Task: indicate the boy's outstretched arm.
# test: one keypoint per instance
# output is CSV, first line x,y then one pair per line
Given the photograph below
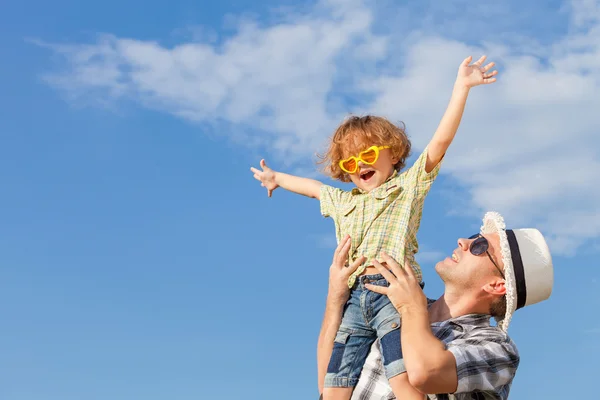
x,y
272,180
468,76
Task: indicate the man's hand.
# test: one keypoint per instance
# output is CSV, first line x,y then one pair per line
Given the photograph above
x,y
267,177
404,291
476,74
339,272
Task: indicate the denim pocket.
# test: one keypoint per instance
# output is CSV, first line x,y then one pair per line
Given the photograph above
x,y
391,347
339,346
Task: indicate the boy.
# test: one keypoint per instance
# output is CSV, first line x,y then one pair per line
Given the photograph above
x,y
381,214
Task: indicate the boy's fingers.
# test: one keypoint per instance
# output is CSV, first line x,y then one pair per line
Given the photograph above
x,y
488,67
481,60
467,61
263,164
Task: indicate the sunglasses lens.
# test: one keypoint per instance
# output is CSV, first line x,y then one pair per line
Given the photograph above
x,y
349,165
369,156
479,246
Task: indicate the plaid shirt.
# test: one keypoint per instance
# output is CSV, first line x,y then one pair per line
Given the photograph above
x,y
486,362
385,219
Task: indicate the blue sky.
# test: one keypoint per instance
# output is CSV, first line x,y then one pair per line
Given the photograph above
x,y
140,260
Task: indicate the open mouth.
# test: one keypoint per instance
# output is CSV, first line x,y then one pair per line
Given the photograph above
x,y
365,176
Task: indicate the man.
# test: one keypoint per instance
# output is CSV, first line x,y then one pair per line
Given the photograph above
x,y
450,349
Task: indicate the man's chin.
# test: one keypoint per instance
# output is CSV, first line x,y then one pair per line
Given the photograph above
x,y
442,268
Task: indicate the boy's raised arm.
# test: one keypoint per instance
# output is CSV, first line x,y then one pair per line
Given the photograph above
x,y
271,180
468,76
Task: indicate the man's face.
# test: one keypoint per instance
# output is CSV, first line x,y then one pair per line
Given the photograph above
x,y
466,270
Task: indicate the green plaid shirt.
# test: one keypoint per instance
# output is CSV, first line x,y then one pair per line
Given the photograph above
x,y
385,219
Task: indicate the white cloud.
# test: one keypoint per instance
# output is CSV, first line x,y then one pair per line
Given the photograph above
x,y
527,146
429,257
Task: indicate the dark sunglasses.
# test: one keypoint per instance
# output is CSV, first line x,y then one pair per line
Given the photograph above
x,y
481,245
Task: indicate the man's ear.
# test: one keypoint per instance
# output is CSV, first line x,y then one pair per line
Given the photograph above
x,y
497,287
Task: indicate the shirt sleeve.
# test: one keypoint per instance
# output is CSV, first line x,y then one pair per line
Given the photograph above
x,y
332,199
417,175
485,365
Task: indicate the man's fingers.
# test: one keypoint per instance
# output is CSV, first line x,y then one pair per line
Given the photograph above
x,y
269,192
354,266
257,177
255,170
377,289
467,61
383,271
393,264
410,273
263,164
341,251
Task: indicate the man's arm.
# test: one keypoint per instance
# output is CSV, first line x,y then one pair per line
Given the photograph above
x,y
271,180
468,77
337,295
331,323
430,367
467,365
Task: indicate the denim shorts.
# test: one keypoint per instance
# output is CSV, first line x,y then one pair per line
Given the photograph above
x,y
367,316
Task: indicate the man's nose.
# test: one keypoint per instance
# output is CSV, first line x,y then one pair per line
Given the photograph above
x,y
463,243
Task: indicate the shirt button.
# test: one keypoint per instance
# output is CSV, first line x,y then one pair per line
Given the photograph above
x,y
394,325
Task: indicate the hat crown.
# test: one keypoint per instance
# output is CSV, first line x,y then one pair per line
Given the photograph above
x,y
537,264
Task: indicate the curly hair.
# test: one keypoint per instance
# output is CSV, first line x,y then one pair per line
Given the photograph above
x,y
355,134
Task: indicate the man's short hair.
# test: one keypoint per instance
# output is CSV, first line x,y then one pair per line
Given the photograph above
x,y
498,308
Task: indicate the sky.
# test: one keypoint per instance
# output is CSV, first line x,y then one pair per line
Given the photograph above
x,y
140,259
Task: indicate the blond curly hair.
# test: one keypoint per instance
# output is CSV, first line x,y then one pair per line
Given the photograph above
x,y
356,134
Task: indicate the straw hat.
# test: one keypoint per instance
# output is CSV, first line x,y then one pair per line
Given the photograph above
x,y
527,265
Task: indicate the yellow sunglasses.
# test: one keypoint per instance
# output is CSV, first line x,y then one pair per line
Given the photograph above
x,y
369,156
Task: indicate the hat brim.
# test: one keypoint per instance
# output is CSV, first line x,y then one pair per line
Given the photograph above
x,y
494,223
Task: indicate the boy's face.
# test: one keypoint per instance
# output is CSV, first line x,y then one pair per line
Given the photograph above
x,y
368,177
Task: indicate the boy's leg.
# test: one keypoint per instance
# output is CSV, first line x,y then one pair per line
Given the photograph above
x,y
350,350
336,393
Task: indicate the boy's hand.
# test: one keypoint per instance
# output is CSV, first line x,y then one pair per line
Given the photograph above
x,y
266,177
476,74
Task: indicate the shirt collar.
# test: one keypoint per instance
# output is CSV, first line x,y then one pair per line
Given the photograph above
x,y
475,320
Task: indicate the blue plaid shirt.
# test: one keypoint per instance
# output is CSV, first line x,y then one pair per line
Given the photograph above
x,y
486,362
